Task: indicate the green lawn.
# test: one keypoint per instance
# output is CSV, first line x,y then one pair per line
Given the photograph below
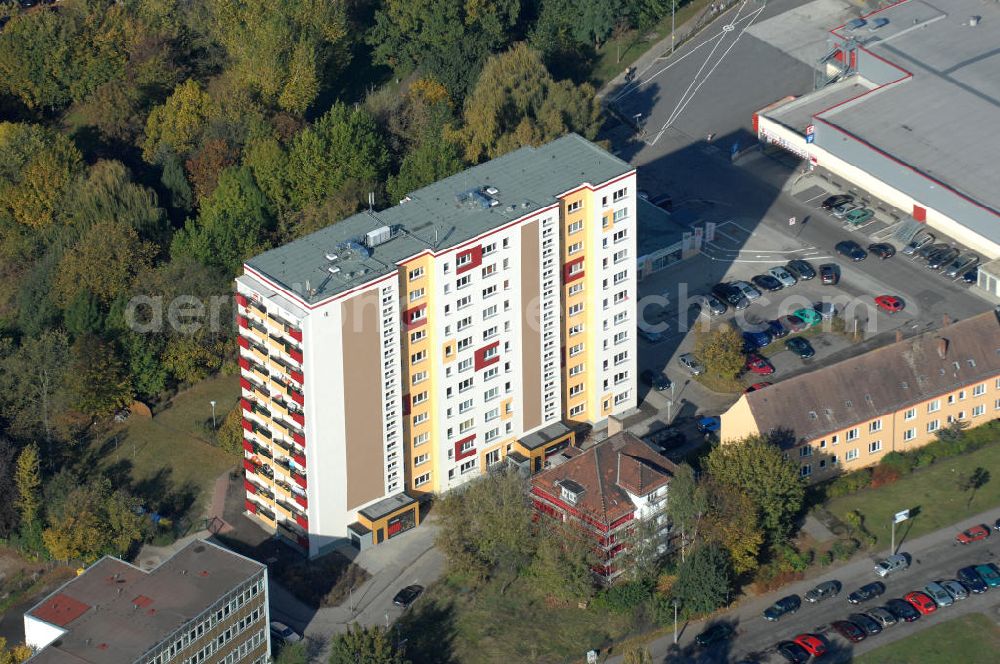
x,y
931,493
171,455
455,624
970,638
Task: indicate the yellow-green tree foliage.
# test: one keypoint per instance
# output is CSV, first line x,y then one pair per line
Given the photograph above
x,y
103,262
37,167
29,483
178,123
721,349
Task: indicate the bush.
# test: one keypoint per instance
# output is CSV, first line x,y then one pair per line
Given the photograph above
x,y
884,476
826,559
898,461
787,559
624,597
850,483
844,548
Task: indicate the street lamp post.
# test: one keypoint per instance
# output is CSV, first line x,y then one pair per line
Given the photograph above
x,y
675,621
673,10
213,414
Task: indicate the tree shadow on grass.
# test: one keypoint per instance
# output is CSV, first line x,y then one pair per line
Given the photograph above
x,y
427,633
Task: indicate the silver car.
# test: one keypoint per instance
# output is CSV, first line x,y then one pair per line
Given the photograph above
x,y
692,364
961,265
894,563
955,589
919,241
883,616
784,276
841,210
940,596
749,292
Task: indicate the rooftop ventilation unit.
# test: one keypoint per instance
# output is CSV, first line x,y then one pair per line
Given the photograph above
x,y
331,256
492,191
352,250
479,196
333,270
378,236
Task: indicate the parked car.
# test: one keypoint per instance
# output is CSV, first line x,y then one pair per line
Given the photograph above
x,y
407,595
972,276
902,610
840,211
757,386
883,616
812,644
973,534
919,241
889,303
921,601
829,274
731,295
989,574
793,323
657,380
855,24
939,260
766,282
778,329
714,634
823,591
784,606
711,305
957,591
930,249
691,363
867,592
833,201
792,652
852,250
878,23
755,340
848,630
709,424
870,626
859,216
894,563
758,365
826,310
809,316
801,269
970,578
282,633
800,347
748,291
882,249
937,593
783,275
961,264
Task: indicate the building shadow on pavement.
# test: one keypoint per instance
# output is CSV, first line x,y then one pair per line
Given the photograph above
x,y
426,633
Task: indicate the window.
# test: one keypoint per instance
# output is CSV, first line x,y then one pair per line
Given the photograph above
x,y
418,357
951,398
462,282
464,343
575,227
575,268
574,248
910,414
575,350
467,425
575,288
465,406
422,479
419,377
490,311
909,434
996,404
492,414
576,369
574,206
490,291
875,425
620,277
464,323
465,364
421,439
805,451
463,259
467,446
419,418
934,406
492,372
416,273
620,377
416,294
852,434
806,470
618,216
421,459
979,390
417,336
620,297
576,389
465,385
961,395
419,398
621,255
933,426
621,398
489,270
575,329
620,194
978,410
622,357
851,455
489,248
875,447
576,410
575,309
491,394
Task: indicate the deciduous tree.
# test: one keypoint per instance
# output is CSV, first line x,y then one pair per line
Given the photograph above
x,y
562,562
432,159
732,523
365,645
29,484
9,490
703,580
516,102
37,168
32,389
92,520
108,193
97,380
104,262
687,504
757,468
721,349
179,122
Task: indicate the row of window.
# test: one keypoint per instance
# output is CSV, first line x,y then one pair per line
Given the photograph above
x,y
231,633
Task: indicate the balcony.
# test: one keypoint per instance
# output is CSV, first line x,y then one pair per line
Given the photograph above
x,y
299,478
300,500
284,446
266,514
291,531
277,345
284,510
283,489
258,353
280,411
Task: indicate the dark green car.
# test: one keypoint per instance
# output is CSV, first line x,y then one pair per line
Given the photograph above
x,y
800,347
714,634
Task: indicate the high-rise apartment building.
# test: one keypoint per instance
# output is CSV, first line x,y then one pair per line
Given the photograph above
x,y
400,353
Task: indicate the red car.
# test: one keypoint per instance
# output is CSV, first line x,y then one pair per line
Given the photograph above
x,y
757,386
812,643
758,365
889,303
921,602
974,534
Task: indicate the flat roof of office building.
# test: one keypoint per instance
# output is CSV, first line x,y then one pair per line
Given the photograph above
x,y
437,217
941,121
115,612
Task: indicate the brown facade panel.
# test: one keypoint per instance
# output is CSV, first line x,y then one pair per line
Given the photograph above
x,y
363,399
531,332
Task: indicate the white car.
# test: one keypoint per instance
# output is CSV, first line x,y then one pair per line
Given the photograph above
x,y
749,292
691,363
784,276
283,634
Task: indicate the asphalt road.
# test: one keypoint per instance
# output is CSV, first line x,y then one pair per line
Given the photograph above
x,y
935,556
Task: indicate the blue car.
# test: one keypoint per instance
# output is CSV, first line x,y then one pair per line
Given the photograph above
x,y
971,579
709,424
755,340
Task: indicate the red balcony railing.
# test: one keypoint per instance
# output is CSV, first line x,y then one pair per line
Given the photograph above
x,y
251,506
247,445
298,418
295,354
300,459
299,438
301,500
302,521
299,479
249,486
